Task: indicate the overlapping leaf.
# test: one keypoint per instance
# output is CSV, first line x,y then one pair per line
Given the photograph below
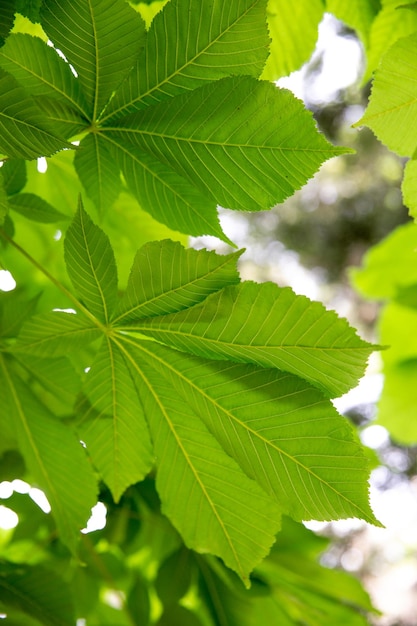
x,y
281,431
220,40
213,504
55,334
154,289
24,132
95,166
53,455
38,592
271,327
392,111
240,444
113,425
101,38
294,30
42,71
91,265
221,138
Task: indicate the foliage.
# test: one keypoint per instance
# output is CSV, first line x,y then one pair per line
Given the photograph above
x,y
195,406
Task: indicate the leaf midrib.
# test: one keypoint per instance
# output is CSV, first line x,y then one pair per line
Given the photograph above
x,y
224,144
181,447
169,78
233,418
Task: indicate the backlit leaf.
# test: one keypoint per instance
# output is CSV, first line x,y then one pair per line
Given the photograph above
x,y
208,498
165,194
24,133
243,142
271,327
91,265
42,71
55,334
281,431
53,455
35,208
294,31
221,40
98,173
166,278
392,112
108,38
113,425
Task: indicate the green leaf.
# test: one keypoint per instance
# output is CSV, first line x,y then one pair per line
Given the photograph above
x,y
53,455
24,133
226,513
281,431
392,111
271,327
14,175
294,31
166,195
37,591
98,173
7,10
113,425
91,265
109,36
55,334
15,308
29,8
166,278
400,245
397,406
221,40
220,135
35,208
57,376
390,24
42,71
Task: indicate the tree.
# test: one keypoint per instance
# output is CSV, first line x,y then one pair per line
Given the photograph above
x,y
142,373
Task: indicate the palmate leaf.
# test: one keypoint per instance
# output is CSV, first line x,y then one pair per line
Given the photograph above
x,y
271,327
24,133
113,425
101,38
166,278
281,431
221,40
163,193
91,265
213,504
243,142
53,455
